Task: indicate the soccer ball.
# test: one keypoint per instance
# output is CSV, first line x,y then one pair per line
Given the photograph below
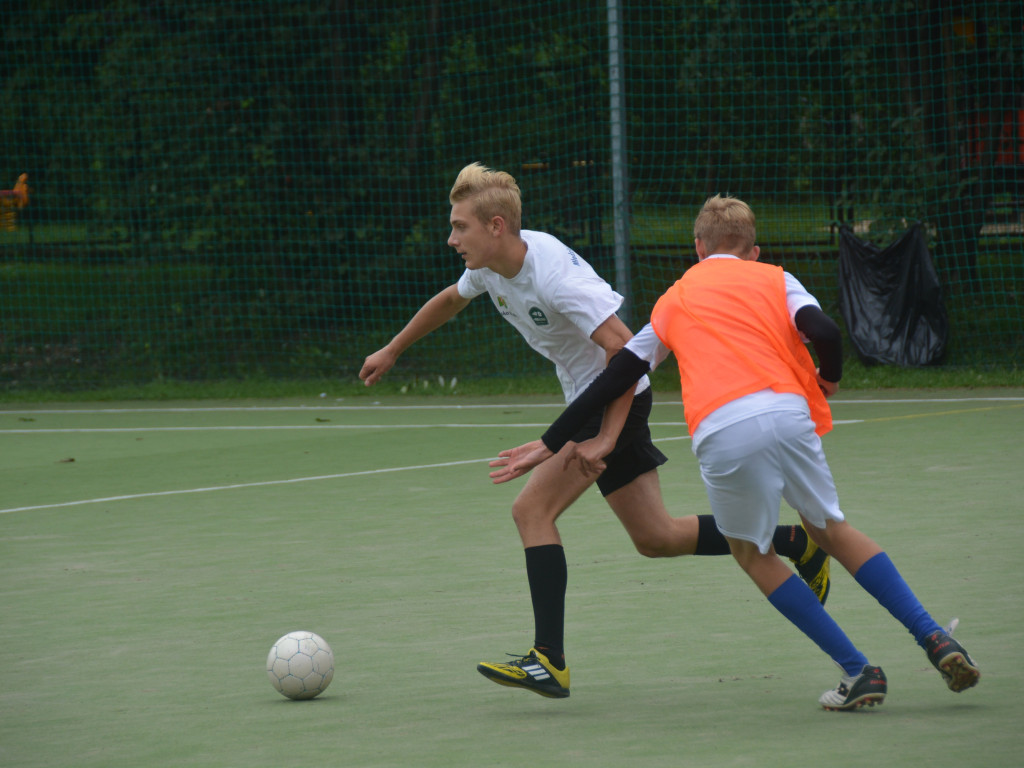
x,y
300,665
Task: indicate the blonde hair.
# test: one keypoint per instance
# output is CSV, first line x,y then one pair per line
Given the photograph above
x,y
726,225
494,193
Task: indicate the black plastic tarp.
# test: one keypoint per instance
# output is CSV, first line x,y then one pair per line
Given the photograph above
x,y
891,300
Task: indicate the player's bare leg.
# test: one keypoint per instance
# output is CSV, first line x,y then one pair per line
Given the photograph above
x,y
873,570
846,544
862,684
768,572
655,533
549,491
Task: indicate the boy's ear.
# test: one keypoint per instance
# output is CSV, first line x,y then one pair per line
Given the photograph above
x,y
702,251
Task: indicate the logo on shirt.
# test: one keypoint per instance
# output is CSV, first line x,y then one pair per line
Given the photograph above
x,y
538,317
502,304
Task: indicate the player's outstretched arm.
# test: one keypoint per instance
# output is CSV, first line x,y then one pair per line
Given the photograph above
x,y
516,462
621,375
376,365
612,335
589,455
437,311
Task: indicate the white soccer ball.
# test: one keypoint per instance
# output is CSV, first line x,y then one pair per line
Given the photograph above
x,y
300,665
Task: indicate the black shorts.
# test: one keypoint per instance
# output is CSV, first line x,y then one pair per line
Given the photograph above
x,y
634,453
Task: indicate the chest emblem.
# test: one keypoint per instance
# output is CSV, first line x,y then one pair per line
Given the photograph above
x,y
538,317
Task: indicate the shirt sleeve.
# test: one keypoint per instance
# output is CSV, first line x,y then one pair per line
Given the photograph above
x,y
647,346
469,286
798,297
587,301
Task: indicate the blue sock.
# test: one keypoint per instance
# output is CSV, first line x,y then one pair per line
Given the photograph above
x,y
795,600
883,582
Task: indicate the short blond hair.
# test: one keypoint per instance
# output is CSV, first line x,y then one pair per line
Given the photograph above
x,y
494,193
726,225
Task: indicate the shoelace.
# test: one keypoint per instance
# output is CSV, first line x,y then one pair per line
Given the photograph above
x,y
520,658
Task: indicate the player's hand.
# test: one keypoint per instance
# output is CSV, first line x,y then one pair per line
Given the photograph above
x,y
516,462
376,365
589,454
828,388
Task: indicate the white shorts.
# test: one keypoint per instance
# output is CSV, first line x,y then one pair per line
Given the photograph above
x,y
749,466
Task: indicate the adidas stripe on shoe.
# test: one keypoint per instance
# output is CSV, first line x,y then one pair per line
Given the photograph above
x,y
534,672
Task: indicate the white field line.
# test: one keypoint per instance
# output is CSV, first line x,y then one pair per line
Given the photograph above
x,y
115,430
294,480
73,430
235,486
444,406
264,483
227,409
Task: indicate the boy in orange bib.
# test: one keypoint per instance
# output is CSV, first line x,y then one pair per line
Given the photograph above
x,y
755,407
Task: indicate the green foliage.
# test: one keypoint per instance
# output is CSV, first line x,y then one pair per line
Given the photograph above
x,y
254,189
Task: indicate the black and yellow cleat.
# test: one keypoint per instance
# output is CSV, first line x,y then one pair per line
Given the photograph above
x,y
534,672
813,567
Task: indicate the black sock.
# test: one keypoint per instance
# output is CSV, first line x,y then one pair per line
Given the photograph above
x,y
548,575
710,540
790,541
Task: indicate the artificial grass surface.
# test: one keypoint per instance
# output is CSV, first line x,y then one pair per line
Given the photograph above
x,y
135,629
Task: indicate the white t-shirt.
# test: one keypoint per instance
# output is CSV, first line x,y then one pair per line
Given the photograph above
x,y
556,302
647,346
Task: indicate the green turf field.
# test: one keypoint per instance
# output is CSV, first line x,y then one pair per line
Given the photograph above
x,y
150,555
